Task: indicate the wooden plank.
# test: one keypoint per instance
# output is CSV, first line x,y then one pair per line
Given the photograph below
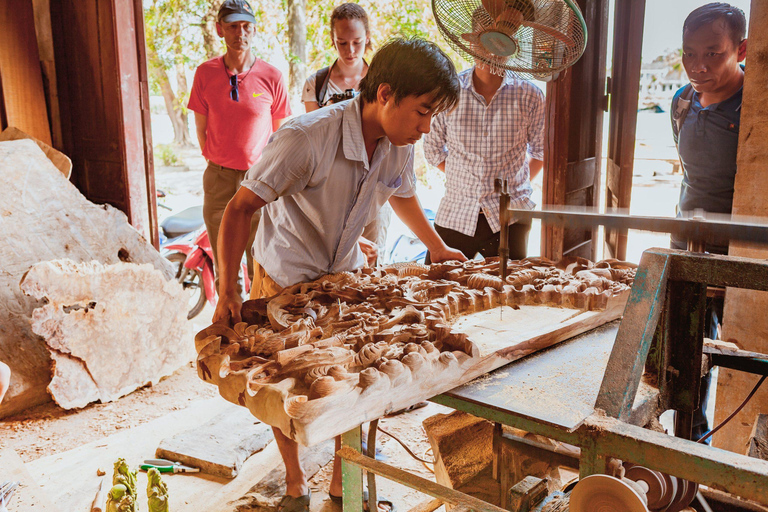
x,y
447,495
21,80
220,446
271,403
745,322
625,86
627,362
29,495
758,440
574,126
45,46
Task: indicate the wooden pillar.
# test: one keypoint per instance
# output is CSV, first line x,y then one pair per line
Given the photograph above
x,y
574,133
746,322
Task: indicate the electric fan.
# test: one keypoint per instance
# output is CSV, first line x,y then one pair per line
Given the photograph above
x,y
530,38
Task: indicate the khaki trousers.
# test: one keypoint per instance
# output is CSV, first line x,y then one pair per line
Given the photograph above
x,y
262,285
219,186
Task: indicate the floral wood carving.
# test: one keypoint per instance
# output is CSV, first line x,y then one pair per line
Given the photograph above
x,y
369,340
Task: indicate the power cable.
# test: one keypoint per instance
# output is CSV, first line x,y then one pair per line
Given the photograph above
x,y
734,413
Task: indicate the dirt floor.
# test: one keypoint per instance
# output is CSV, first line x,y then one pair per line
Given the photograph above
x,y
49,429
48,433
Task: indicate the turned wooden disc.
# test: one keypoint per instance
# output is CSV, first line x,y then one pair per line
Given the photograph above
x,y
603,493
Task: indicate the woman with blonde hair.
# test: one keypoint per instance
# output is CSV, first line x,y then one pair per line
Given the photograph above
x,y
340,81
351,39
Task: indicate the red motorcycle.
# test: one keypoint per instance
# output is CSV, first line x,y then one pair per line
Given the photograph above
x,y
184,242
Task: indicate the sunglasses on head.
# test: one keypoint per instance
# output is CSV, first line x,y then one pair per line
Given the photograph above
x,y
233,93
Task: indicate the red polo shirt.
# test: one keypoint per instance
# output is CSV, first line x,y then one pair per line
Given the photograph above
x,y
237,131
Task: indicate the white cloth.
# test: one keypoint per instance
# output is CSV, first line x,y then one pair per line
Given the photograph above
x,y
480,142
321,190
308,94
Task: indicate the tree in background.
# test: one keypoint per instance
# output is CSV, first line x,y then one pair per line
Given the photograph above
x,y
181,35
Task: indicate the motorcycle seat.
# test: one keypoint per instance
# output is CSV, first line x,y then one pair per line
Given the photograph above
x,y
181,223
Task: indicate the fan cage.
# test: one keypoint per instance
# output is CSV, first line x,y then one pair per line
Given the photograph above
x,y
531,39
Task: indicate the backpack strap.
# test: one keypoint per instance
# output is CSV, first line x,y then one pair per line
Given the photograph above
x,y
682,107
321,84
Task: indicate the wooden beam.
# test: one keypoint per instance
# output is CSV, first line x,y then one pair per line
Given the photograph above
x,y
21,80
745,322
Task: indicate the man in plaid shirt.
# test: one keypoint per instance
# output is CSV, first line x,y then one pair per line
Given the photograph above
x,y
497,131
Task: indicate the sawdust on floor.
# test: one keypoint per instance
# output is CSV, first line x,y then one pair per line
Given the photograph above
x,y
48,429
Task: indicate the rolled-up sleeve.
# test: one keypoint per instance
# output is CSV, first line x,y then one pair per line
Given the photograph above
x,y
408,176
536,125
285,167
435,148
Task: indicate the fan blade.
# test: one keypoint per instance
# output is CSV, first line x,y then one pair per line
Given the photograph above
x,y
471,37
565,38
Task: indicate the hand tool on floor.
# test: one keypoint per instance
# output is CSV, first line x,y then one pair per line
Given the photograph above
x,y
99,501
7,491
167,466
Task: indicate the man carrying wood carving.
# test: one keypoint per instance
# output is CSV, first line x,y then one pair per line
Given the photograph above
x,y
705,124
323,177
239,101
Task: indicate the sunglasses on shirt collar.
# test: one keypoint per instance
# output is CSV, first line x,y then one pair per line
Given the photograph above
x,y
233,93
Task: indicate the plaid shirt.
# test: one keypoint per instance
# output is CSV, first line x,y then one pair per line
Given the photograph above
x,y
479,143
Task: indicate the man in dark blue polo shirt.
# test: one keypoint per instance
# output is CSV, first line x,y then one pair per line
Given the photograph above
x,y
705,123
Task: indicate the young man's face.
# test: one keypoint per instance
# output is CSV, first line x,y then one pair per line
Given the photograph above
x,y
711,58
405,122
237,35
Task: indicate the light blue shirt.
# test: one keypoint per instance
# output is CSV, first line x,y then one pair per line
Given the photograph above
x,y
322,191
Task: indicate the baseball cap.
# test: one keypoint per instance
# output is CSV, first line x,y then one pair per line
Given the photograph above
x,y
236,10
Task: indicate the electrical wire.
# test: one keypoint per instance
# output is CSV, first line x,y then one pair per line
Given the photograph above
x,y
734,413
410,452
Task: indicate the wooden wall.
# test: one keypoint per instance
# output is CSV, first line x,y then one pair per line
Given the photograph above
x,y
745,318
22,97
73,75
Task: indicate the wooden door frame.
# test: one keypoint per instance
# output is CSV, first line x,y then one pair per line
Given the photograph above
x,y
624,88
574,131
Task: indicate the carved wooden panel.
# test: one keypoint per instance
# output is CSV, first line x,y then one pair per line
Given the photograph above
x,y
323,357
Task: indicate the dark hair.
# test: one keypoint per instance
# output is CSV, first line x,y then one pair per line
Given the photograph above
x,y
350,11
412,67
732,16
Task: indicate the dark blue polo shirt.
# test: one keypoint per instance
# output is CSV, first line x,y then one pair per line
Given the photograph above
x,y
707,145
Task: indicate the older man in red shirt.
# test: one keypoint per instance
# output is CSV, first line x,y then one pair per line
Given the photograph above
x,y
239,101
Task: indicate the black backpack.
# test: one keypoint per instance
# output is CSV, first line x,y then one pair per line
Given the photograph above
x,y
682,107
321,84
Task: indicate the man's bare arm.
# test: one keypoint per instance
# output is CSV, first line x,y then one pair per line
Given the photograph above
x,y
233,237
201,123
410,212
535,167
277,123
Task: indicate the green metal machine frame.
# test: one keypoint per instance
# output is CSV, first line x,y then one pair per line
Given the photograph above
x,y
664,318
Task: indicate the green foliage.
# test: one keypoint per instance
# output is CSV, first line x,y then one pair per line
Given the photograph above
x,y
387,19
177,30
167,155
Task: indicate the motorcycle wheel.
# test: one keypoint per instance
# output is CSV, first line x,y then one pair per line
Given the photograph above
x,y
192,281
